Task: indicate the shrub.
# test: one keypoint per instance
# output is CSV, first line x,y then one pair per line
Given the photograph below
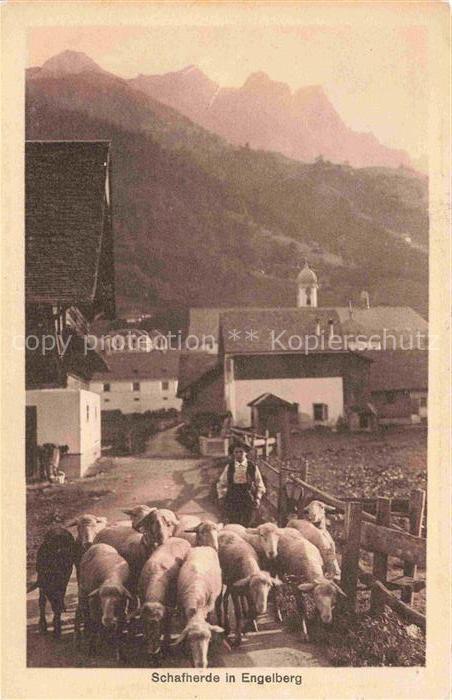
x,y
342,425
363,640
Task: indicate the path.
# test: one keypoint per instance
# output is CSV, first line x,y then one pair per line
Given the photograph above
x,y
165,444
184,485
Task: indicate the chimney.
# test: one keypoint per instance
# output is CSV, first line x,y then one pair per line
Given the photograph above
x,y
365,302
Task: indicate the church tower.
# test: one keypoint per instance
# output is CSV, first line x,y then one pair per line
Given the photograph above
x,y
307,287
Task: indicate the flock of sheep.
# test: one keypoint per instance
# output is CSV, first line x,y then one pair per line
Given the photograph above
x,y
137,576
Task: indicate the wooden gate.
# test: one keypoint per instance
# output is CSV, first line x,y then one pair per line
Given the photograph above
x,y
31,444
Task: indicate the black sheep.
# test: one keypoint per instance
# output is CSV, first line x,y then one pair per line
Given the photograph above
x,y
54,562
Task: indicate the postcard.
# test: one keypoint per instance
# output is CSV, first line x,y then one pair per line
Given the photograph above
x,y
226,316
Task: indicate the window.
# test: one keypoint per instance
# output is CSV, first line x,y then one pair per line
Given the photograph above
x,y
135,386
390,397
107,387
87,412
106,400
423,401
95,412
136,399
165,398
165,386
320,411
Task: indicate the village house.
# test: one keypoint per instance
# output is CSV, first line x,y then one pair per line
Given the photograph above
x,y
398,385
140,377
325,364
69,281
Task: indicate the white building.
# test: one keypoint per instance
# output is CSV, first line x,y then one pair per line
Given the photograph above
x,y
138,381
69,417
329,362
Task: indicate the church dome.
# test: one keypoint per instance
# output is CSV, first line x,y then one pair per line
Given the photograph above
x,y
307,276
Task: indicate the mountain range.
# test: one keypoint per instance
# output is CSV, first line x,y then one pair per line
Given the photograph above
x,y
208,219
266,114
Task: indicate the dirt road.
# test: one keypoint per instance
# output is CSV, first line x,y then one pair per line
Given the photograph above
x,y
184,485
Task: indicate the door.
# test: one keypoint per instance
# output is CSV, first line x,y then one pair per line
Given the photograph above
x,y
31,443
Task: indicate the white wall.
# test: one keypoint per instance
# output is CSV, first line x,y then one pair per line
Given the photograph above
x,y
305,392
151,396
90,428
58,416
62,419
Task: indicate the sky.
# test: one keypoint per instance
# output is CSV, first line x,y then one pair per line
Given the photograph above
x,y
377,79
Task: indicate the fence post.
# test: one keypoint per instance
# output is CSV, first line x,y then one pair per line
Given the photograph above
x,y
279,451
350,556
380,566
304,464
282,495
417,505
285,435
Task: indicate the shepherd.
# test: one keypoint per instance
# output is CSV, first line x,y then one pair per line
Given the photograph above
x,y
240,489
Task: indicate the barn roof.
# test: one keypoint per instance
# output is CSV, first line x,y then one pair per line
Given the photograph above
x,y
193,366
393,370
206,321
256,330
269,399
140,365
402,319
65,191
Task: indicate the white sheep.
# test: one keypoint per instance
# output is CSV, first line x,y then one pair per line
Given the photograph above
x,y
316,512
205,534
157,589
159,524
322,539
199,588
88,526
103,599
264,539
302,559
243,578
134,547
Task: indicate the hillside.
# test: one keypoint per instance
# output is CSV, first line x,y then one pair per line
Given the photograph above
x,y
201,222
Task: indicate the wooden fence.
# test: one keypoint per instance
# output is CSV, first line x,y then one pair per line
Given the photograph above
x,y
262,445
363,530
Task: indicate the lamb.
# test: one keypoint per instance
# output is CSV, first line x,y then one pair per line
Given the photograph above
x,y
157,589
54,562
199,588
87,527
243,577
104,601
302,559
322,539
205,534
